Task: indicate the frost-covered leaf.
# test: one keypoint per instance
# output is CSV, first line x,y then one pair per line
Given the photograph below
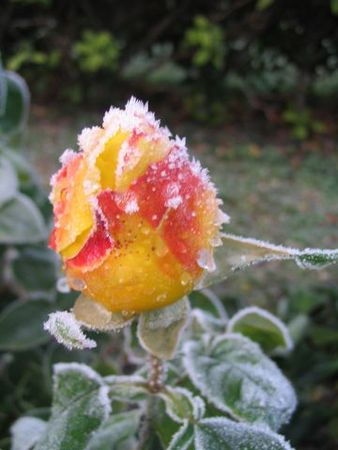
x,y
233,373
21,222
8,180
115,432
181,404
67,330
159,330
208,313
184,438
14,103
80,405
207,301
26,432
132,388
21,324
96,316
220,433
262,327
238,253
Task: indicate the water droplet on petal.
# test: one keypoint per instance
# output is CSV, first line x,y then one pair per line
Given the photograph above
x,y
145,230
206,260
76,284
185,278
161,249
161,298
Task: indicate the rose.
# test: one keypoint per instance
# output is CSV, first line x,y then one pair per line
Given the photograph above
x,y
135,219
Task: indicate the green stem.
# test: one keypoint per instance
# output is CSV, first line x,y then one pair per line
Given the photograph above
x,y
146,432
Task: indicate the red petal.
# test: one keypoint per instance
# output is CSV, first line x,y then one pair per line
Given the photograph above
x,y
95,250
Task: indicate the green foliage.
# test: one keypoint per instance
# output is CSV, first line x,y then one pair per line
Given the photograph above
x,y
216,433
237,378
80,405
334,6
159,330
20,324
207,41
261,5
27,56
263,328
97,51
14,103
156,68
302,123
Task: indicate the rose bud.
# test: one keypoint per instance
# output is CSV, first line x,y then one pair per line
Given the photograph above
x,y
135,220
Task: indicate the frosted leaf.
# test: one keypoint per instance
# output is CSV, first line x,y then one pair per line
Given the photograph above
x,y
207,301
262,327
115,432
26,432
8,181
182,405
208,313
80,405
202,322
220,433
67,331
159,330
183,439
238,253
95,316
233,373
133,388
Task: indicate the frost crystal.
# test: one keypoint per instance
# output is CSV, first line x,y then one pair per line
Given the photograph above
x,y
87,371
67,331
131,206
67,156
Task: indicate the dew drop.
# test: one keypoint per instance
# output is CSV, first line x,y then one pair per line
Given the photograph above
x,y
205,260
62,285
161,297
185,278
76,284
145,230
161,249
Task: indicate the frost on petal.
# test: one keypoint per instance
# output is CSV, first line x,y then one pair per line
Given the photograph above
x,y
89,137
67,156
67,331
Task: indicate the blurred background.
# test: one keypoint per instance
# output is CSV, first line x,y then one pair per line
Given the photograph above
x,y
253,84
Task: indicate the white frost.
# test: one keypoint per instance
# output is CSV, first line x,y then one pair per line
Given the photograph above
x,y
67,331
85,370
67,156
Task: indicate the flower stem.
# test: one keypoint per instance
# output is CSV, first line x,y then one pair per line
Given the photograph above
x,y
146,432
155,374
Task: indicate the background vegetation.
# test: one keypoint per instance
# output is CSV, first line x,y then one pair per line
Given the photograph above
x,y
254,86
